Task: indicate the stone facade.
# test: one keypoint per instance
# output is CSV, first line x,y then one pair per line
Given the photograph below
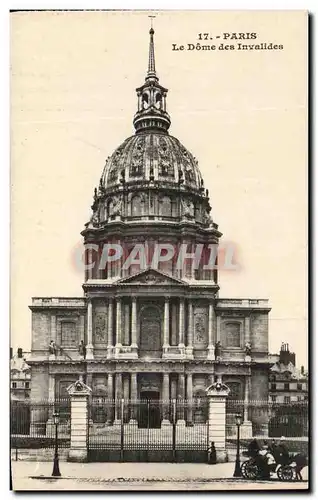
x,y
150,331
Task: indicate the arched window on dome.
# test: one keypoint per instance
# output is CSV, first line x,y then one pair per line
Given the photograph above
x,y
137,206
165,206
158,100
145,100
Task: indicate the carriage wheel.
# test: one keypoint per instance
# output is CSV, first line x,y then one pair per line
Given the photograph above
x,y
252,470
243,468
286,473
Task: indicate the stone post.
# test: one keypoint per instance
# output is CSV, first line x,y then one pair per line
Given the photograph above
x,y
110,397
217,394
79,394
89,346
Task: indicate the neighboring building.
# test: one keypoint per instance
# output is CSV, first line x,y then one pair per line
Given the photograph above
x,y
151,333
20,376
287,384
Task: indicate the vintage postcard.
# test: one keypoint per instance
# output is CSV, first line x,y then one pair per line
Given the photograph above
x,y
159,335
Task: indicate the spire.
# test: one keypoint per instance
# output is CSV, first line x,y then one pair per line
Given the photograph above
x,y
151,62
151,113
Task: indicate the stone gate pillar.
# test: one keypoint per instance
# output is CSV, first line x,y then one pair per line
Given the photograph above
x,y
217,394
79,393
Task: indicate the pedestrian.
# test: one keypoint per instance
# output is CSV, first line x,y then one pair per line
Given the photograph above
x,y
212,457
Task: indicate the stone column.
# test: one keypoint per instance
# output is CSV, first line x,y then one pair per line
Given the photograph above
x,y
79,394
217,394
190,399
134,322
110,397
118,396
165,397
166,324
118,322
181,323
189,349
246,398
247,328
53,327
181,399
51,387
127,324
49,423
110,327
89,346
211,352
133,397
218,328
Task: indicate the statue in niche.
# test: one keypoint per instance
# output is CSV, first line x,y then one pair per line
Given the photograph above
x,y
217,350
187,208
248,349
115,206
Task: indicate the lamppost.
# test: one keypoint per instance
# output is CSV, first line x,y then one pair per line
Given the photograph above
x,y
237,470
56,469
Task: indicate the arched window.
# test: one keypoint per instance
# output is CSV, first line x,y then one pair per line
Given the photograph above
x,y
165,206
136,206
233,335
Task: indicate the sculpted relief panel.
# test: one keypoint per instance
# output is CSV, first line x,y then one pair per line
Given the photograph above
x,y
100,323
200,338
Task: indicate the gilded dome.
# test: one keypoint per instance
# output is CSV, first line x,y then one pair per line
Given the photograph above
x,y
152,156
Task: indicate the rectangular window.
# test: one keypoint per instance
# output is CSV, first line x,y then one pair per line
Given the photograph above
x,y
27,385
299,387
286,387
274,398
68,333
14,385
287,399
273,387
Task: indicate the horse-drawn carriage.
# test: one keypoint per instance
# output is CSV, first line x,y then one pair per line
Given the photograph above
x,y
263,465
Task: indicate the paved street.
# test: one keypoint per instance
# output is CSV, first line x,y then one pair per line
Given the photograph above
x,y
137,476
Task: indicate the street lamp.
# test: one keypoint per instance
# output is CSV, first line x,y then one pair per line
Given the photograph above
x,y
56,469
237,470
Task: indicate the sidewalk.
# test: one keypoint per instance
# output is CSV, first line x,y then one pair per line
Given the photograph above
x,y
114,471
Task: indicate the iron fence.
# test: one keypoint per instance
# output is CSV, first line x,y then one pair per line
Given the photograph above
x,y
147,430
32,426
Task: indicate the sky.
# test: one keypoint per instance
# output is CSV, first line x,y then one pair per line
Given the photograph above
x,y
242,114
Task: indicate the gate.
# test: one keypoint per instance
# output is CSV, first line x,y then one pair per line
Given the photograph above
x,y
145,431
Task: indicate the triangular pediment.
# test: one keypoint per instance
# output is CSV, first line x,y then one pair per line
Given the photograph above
x,y
151,277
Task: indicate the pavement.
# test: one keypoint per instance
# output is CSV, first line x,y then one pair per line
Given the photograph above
x,y
138,476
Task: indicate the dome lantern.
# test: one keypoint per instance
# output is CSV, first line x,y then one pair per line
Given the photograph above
x,y
151,113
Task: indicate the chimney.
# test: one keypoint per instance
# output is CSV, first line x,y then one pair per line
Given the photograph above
x,y
11,353
20,352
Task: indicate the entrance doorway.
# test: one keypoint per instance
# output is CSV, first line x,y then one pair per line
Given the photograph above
x,y
149,410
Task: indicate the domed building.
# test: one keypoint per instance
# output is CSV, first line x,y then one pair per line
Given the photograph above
x,y
151,325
